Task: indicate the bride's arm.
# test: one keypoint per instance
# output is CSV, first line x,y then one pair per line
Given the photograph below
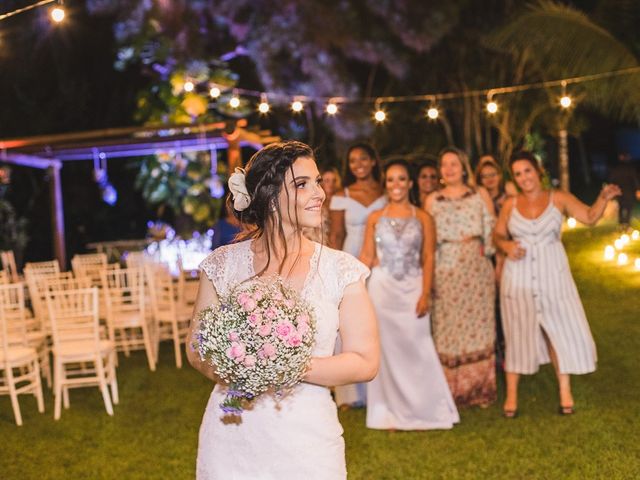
x,y
360,355
207,297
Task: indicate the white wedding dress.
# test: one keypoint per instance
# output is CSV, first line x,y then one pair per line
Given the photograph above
x,y
410,391
301,438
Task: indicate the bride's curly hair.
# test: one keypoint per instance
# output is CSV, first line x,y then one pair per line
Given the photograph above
x,y
265,175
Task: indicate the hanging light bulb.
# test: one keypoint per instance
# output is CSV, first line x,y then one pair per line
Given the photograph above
x,y
565,100
379,114
433,113
57,13
492,107
263,107
297,106
214,92
234,102
331,108
189,86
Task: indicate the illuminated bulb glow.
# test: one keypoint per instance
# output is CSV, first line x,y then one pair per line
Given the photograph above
x,y
297,106
433,113
635,235
623,259
188,86
332,108
234,102
57,14
264,107
618,244
625,239
565,101
380,116
609,252
214,92
492,107
571,222
636,264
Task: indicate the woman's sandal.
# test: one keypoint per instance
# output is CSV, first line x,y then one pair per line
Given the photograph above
x,y
566,410
510,413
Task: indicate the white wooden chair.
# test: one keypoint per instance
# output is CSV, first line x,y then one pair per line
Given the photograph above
x,y
8,261
172,316
4,277
89,265
19,367
128,323
76,340
41,268
37,284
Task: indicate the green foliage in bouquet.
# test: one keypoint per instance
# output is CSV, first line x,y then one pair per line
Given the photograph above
x,y
13,229
185,184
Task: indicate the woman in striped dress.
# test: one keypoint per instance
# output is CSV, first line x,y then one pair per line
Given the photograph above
x,y
542,314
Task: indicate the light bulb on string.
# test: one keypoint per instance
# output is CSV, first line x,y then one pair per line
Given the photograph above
x,y
263,107
214,92
57,14
188,86
297,106
565,100
492,107
432,112
234,102
331,108
609,252
379,114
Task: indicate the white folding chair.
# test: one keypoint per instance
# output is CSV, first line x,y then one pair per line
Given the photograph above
x,y
42,268
89,265
4,277
19,368
8,260
170,314
129,326
76,340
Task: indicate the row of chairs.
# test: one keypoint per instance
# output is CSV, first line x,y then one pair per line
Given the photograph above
x,y
139,305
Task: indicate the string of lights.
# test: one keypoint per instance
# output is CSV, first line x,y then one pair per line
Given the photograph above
x,y
57,13
332,104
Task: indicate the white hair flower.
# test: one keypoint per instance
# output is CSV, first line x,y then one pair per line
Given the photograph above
x,y
238,187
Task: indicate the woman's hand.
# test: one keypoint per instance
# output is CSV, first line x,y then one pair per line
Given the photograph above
x,y
422,308
514,250
610,191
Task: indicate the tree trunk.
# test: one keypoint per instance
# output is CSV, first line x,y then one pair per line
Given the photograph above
x,y
563,159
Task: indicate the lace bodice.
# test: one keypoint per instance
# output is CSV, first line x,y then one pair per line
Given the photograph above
x,y
330,272
398,246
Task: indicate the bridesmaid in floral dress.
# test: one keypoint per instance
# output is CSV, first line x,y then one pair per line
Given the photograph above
x,y
463,310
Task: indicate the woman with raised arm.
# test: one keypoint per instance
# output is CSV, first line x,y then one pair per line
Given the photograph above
x,y
410,391
542,314
298,436
349,209
464,303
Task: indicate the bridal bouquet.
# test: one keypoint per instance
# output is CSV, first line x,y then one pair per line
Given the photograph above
x,y
259,338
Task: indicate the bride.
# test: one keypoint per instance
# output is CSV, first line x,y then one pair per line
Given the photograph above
x,y
299,436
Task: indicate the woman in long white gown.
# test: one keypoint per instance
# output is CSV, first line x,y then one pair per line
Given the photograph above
x,y
410,391
299,437
348,212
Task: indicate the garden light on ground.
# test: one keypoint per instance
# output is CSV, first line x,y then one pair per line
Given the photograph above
x,y
571,222
625,239
609,252
635,235
623,259
619,244
636,264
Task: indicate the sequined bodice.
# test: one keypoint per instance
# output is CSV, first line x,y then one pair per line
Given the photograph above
x,y
398,246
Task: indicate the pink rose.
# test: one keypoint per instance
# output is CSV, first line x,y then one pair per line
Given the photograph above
x,y
249,361
267,351
303,328
242,298
254,318
265,329
236,351
249,304
294,340
284,329
233,336
258,295
271,313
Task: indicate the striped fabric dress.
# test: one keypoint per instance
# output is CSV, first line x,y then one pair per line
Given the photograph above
x,y
538,293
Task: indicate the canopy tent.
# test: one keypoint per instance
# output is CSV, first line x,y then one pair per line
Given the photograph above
x,y
51,151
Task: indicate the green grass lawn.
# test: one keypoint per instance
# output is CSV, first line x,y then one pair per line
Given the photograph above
x,y
153,434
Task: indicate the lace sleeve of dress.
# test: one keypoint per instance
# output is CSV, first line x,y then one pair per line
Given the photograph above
x,y
350,270
338,203
214,267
